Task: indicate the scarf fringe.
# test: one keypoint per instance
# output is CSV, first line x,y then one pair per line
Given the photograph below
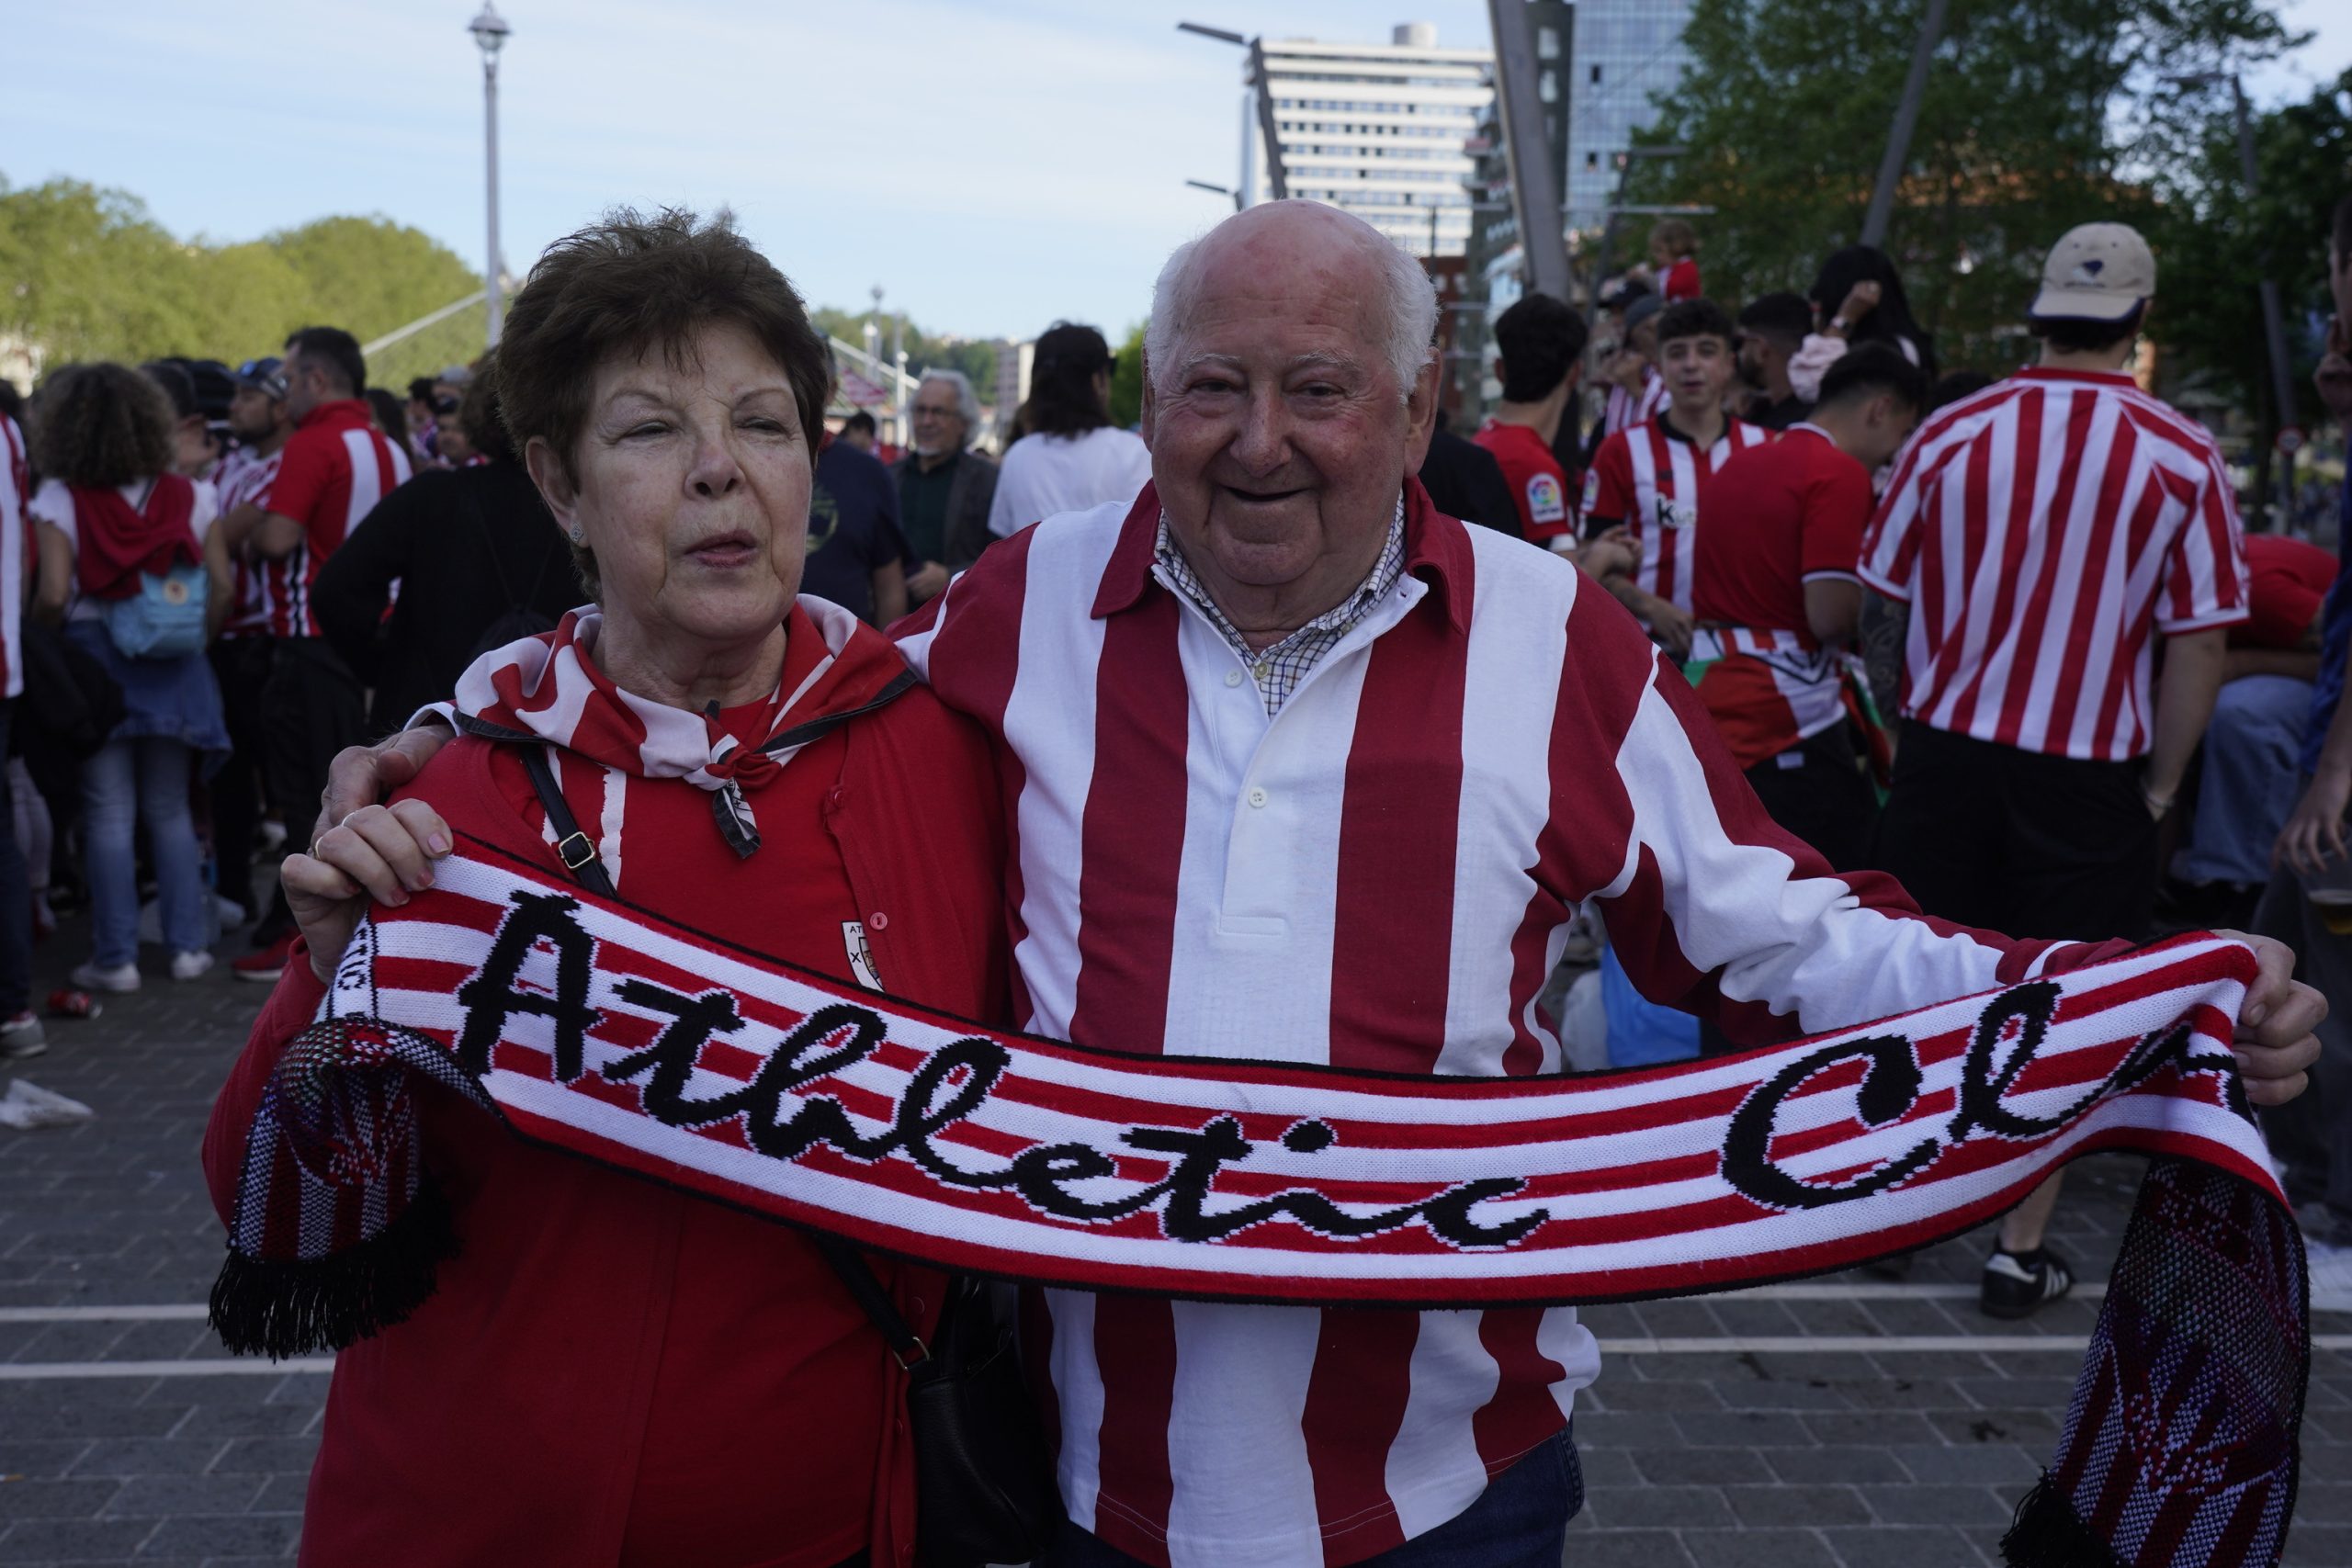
x,y
282,1308
2048,1533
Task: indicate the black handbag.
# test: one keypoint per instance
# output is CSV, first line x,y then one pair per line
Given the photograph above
x,y
984,1482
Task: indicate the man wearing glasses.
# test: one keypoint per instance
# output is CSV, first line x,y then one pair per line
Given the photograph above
x,y
945,487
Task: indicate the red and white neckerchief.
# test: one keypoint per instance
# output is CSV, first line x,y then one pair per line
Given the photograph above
x,y
549,689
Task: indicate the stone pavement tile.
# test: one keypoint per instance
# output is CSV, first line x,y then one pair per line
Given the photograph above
x,y
64,1419
283,1493
1898,1547
1672,1319
1700,1467
1955,1504
1920,1316
1658,1507
1611,1321
1984,1463
166,1342
72,1541
1754,1317
1812,1506
1902,1393
1936,1364
41,1458
1741,1429
1643,1393
232,1535
266,1455
2324,1502
24,1497
1728,1366
148,1456
69,1342
2325,1546
1835,1466
154,1496
1754,1548
1993,1394
2036,1431
1627,1429
247,1421
1594,1546
1872,1426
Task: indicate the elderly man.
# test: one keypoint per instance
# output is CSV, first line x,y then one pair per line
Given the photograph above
x,y
945,487
1301,769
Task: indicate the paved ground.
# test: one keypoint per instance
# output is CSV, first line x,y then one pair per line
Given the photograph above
x,y
1875,1439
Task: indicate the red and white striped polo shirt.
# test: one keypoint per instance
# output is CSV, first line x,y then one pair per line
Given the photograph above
x,y
1648,478
1624,410
2039,530
1379,876
331,473
246,476
15,553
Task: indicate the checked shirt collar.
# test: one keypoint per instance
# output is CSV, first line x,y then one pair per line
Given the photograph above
x,y
1279,669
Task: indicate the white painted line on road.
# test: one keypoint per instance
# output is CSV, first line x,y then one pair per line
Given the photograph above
x,y
1863,1344
37,1372
171,1311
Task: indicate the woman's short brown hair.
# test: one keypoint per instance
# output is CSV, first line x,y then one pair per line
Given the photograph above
x,y
100,425
481,417
633,283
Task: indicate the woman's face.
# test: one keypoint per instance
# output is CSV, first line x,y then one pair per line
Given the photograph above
x,y
692,488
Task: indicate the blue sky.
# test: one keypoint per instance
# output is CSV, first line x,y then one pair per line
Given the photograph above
x,y
992,164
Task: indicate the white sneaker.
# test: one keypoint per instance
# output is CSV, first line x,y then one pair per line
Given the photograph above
x,y
188,965
22,1036
99,978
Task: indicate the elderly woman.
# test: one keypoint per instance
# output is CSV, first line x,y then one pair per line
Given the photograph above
x,y
612,1373
118,526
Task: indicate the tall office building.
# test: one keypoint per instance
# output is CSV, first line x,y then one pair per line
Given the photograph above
x,y
1626,52
1377,130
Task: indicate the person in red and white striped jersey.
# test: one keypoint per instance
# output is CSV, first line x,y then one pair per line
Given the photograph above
x,y
1636,392
1298,768
335,468
260,422
1778,600
1646,478
21,1030
2045,534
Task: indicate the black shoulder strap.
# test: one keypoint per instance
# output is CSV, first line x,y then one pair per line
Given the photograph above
x,y
574,848
579,855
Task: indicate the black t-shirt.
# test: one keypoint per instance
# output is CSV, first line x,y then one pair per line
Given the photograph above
x,y
852,528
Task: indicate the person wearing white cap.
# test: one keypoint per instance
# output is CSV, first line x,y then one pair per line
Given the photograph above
x,y
2050,530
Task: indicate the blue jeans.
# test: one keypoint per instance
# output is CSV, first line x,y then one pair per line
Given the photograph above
x,y
1521,1520
127,783
2249,783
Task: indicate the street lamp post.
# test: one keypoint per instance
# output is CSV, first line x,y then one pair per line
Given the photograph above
x,y
490,30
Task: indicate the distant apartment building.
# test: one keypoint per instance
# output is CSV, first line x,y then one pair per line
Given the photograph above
x,y
1377,130
1626,52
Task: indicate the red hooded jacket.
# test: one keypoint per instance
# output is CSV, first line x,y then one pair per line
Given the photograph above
x,y
611,1372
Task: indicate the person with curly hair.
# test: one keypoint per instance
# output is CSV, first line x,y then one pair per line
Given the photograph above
x,y
112,514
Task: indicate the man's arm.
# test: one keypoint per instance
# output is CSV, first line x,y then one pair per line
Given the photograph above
x,y
1885,623
1833,609
269,534
2295,663
2185,695
2315,831
889,591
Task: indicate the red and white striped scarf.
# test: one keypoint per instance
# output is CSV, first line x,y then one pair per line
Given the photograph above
x,y
588,1025
547,688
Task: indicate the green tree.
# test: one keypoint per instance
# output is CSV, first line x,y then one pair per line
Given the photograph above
x,y
1126,380
2214,244
2037,115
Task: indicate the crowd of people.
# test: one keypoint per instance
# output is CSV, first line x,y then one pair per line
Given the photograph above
x,y
1226,736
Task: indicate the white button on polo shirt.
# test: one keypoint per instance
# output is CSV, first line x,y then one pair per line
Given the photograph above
x,y
1257,796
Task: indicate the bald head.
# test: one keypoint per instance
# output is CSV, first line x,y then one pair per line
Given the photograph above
x,y
1327,260
1290,394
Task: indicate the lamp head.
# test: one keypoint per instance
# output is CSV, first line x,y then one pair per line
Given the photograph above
x,y
490,30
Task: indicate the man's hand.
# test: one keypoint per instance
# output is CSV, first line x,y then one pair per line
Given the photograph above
x,y
2275,1042
2315,831
926,582
364,775
1670,624
1612,554
381,853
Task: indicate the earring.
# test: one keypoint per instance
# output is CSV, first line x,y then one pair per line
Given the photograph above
x,y
578,537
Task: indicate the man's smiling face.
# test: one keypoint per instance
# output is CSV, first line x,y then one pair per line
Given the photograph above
x,y
1280,434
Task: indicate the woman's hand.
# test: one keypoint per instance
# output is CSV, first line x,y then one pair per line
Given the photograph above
x,y
2276,1035
1860,302
384,852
